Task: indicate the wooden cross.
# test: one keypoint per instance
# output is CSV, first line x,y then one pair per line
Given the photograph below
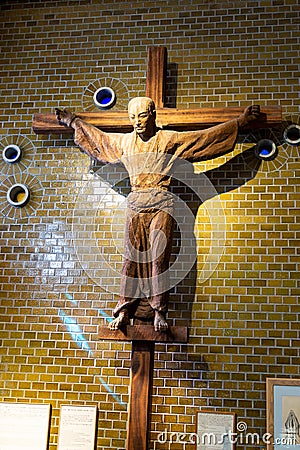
x,y
143,337
167,118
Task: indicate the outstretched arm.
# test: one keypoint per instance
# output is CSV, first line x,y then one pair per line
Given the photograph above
x,y
213,142
101,146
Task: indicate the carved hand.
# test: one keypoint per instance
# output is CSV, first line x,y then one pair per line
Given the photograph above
x,y
250,114
64,116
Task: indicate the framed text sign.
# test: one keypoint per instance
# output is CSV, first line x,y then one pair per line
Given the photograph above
x,y
214,430
24,426
77,427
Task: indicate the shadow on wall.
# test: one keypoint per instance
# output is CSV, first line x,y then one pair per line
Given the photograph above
x,y
228,177
190,191
192,365
171,85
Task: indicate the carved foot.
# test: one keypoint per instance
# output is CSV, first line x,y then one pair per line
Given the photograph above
x,y
160,323
120,321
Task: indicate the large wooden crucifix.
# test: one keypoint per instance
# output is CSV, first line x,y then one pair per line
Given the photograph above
x,y
143,337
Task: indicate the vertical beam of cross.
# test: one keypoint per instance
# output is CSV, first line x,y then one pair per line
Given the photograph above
x,y
140,403
143,338
156,75
142,359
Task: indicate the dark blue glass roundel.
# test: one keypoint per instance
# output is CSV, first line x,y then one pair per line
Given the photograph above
x,y
104,98
266,150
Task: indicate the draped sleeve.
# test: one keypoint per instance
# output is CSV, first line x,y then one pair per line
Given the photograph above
x,y
100,146
206,144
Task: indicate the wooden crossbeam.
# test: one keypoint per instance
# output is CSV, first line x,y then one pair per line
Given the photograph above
x,y
167,118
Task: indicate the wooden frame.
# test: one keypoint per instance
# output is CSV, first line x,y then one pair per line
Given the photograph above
x,y
214,430
283,413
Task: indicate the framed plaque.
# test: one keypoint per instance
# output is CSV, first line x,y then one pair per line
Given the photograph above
x,y
77,427
24,426
215,430
283,413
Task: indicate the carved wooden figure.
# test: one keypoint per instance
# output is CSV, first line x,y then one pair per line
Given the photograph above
x,y
149,218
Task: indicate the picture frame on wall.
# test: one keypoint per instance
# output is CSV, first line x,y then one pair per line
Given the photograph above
x,y
215,430
283,413
77,427
24,426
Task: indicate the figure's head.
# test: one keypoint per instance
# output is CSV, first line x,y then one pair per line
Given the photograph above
x,y
142,115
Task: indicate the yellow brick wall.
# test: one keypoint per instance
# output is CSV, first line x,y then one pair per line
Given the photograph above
x,y
243,319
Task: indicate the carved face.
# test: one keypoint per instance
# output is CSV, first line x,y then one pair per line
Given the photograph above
x,y
142,116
